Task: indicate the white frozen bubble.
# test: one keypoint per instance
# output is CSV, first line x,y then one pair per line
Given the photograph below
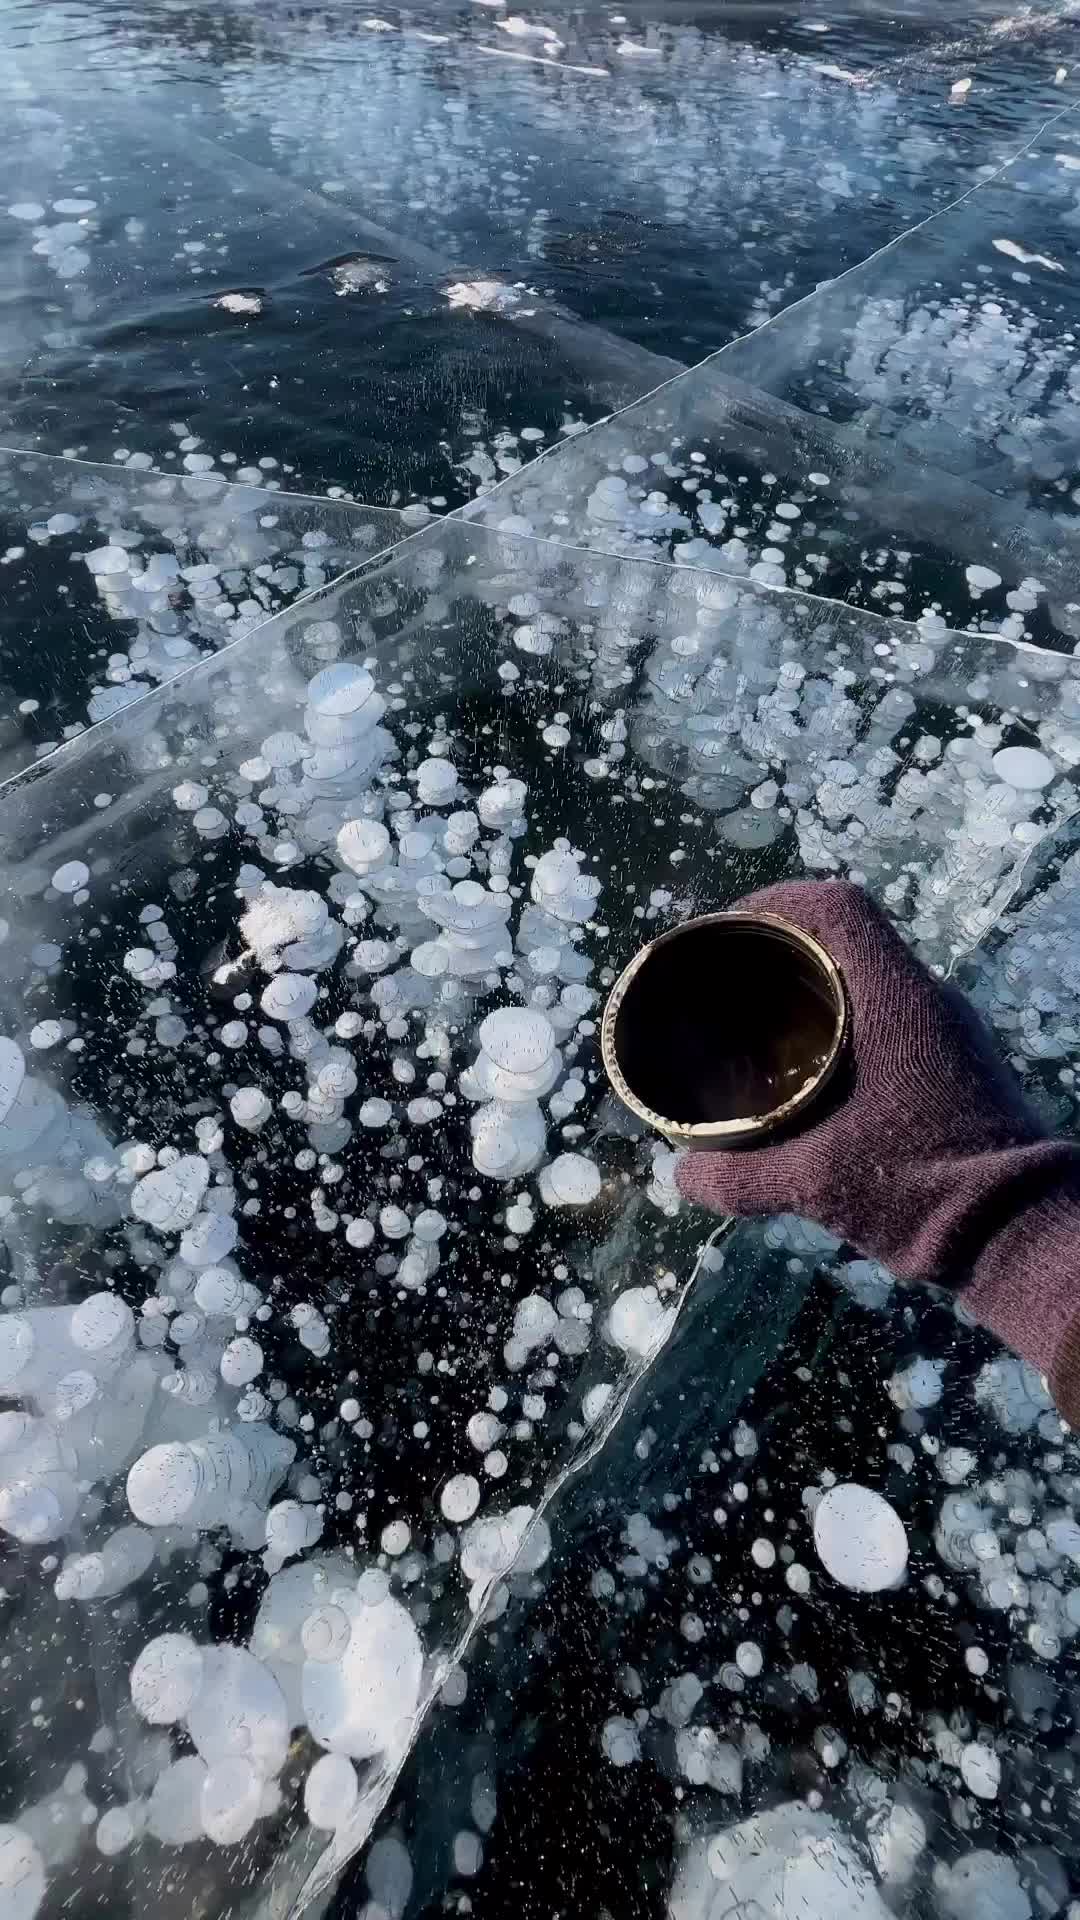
x,y
394,1222
362,1702
107,560
484,1429
980,1886
241,1362
638,1321
535,1322
788,1860
981,580
46,1034
501,805
493,1545
22,1875
429,1226
166,1677
340,690
460,1498
1014,1392
123,1557
750,829
239,1712
101,1325
331,1792
289,997
202,1482
371,956
291,1528
1024,767
170,1198
860,1538
232,1793
508,1138
620,1741
250,1108
71,877
189,797
291,924
27,210
115,1831
980,1770
217,1290
706,1761
240,303
897,1839
571,1180
956,1464
468,1853
325,1633
364,846
520,1040
436,782
594,1400
917,1385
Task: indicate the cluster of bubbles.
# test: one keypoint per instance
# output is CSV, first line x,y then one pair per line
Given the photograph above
x,y
388,897
935,379
178,566
711,1597
728,143
170,1406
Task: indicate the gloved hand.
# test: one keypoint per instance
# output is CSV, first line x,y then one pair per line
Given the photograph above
x,y
924,1153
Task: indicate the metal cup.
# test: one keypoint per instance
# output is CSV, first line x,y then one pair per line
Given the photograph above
x,y
725,1030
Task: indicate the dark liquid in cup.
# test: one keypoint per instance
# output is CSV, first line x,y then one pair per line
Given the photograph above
x,y
724,1022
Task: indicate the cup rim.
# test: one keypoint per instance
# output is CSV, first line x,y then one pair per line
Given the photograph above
x,y
724,1133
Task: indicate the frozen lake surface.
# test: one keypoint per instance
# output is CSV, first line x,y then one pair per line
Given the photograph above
x,y
477,486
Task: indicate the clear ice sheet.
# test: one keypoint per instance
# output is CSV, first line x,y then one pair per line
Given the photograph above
x,y
900,438
524,248
254,1161
954,344
178,294
153,571
573,184
434,1349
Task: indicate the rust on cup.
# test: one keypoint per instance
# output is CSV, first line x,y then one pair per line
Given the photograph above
x,y
725,1029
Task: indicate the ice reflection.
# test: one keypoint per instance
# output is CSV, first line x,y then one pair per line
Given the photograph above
x,y
442,234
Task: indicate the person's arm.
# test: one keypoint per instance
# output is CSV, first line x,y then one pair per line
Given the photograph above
x,y
925,1156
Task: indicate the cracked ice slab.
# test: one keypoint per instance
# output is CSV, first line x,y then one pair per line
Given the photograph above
x,y
320,1264
933,473
117,578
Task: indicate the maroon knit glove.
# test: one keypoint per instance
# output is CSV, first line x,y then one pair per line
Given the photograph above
x,y
924,1154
